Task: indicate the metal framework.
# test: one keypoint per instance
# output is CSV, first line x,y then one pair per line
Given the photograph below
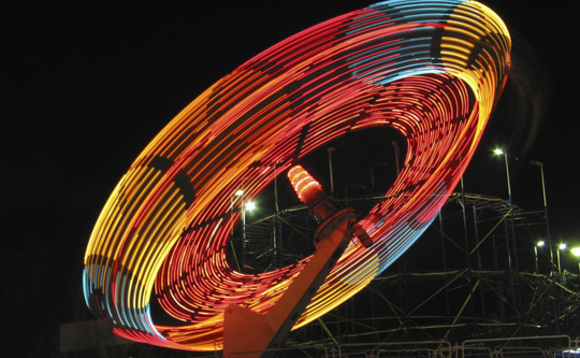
x,y
451,295
469,277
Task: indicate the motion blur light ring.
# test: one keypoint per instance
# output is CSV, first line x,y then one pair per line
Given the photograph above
x,y
155,265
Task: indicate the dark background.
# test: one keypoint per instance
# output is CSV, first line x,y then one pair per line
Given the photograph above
x,y
86,85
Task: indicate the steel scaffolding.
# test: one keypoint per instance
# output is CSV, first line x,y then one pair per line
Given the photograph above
x,y
473,286
476,273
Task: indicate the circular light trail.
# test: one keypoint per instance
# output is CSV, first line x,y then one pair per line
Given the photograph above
x,y
155,265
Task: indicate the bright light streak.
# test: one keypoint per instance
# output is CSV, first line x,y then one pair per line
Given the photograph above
x,y
430,69
305,186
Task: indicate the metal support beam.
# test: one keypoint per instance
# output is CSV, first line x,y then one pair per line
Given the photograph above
x,y
247,331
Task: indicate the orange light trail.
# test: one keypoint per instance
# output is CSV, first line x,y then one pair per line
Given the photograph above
x,y
155,264
306,187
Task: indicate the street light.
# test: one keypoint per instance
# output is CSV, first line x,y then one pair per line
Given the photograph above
x,y
499,151
248,206
561,247
395,144
541,165
237,194
330,150
549,237
576,252
538,244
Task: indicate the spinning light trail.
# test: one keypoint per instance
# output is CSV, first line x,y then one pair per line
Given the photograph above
x,y
155,265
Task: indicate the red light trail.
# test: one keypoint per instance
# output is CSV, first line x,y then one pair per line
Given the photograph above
x,y
431,69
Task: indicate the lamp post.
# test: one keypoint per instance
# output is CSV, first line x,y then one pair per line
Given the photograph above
x,y
395,144
330,150
576,252
248,206
548,235
561,247
238,193
275,237
541,165
499,151
538,244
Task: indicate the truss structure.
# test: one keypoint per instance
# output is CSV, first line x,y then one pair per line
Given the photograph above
x,y
476,273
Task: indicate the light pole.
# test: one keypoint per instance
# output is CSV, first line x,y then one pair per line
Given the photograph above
x,y
541,165
275,238
395,144
538,244
238,193
248,206
548,235
499,151
576,252
330,150
561,247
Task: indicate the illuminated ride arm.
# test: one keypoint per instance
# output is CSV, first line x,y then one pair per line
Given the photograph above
x,y
247,331
155,265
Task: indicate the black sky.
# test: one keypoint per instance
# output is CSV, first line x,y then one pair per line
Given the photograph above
x,y
86,85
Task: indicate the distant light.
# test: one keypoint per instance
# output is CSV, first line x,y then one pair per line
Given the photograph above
x,y
541,243
250,206
498,151
576,251
562,246
239,192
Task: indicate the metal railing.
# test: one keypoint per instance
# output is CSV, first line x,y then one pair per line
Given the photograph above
x,y
555,346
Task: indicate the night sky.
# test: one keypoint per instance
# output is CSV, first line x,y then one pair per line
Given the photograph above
x,y
85,86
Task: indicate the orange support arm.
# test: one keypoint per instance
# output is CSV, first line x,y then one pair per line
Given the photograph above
x,y
255,334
